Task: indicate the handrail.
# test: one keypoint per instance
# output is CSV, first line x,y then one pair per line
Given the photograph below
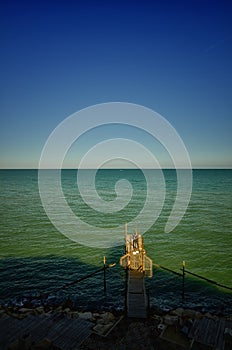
x,y
193,274
55,290
167,269
208,280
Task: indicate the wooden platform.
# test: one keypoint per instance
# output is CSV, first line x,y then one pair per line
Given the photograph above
x,y
210,333
136,295
65,333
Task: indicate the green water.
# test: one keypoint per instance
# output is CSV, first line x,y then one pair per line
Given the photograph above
x,y
36,257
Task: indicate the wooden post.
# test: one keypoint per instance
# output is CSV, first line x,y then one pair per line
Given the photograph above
x,y
125,233
183,281
126,290
104,270
148,302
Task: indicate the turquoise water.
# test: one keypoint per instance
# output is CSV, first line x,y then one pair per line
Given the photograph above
x,y
36,257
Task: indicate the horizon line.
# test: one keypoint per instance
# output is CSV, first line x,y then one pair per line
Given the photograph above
x,y
119,168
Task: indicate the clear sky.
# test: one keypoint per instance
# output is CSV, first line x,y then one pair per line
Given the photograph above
x,y
58,57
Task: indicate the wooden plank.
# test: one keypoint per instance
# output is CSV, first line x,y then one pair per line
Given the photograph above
x,y
209,332
66,333
136,295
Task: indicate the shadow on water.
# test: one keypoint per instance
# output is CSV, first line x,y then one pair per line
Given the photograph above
x,y
30,277
166,292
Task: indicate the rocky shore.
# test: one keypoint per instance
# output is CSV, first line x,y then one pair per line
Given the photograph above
x,y
63,327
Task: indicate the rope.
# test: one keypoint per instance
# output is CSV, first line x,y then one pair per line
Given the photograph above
x,y
45,295
208,280
169,270
193,274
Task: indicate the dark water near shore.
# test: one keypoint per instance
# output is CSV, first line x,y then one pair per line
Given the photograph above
x,y
37,258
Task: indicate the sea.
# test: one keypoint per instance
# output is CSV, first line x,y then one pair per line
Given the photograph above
x,y
38,263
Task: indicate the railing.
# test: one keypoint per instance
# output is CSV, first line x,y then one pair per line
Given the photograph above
x,y
184,272
138,262
125,261
148,267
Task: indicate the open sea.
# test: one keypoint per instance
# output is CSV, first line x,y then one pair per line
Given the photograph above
x,y
35,258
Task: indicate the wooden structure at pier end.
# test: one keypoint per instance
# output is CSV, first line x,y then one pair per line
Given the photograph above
x,y
137,265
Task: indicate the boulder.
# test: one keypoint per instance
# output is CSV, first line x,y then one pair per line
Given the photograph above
x,y
59,308
107,317
25,311
161,327
102,329
189,313
208,315
67,310
86,315
75,314
2,312
40,309
178,312
18,316
170,320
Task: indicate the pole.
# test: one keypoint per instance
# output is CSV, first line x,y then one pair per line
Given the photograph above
x,y
183,281
148,302
125,233
126,290
104,270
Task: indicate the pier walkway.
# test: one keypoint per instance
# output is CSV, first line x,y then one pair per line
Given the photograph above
x,y
136,295
138,265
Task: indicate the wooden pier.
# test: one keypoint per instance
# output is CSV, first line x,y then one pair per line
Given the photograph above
x,y
136,295
138,265
63,332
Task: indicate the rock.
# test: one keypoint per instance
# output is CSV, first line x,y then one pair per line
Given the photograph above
x,y
102,329
178,312
189,313
208,315
75,314
18,316
25,310
2,312
86,315
100,321
170,320
161,327
157,318
59,309
67,310
107,317
40,309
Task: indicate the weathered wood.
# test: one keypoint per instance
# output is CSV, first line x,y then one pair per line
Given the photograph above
x,y
135,257
209,332
136,295
65,333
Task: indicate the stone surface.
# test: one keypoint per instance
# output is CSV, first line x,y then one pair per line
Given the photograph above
x,y
86,315
171,320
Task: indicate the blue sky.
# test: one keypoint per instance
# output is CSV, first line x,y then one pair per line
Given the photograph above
x,y
171,56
